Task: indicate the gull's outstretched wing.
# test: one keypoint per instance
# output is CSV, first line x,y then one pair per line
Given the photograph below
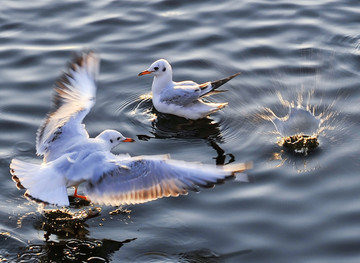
x,y
145,178
75,94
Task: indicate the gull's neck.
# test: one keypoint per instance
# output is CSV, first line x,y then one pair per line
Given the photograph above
x,y
162,82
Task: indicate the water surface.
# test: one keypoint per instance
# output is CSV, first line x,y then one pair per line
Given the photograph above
x,y
296,208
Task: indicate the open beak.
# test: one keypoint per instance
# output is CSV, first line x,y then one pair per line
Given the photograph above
x,y
128,140
144,72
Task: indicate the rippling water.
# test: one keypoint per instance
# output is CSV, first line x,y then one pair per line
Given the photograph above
x,y
297,208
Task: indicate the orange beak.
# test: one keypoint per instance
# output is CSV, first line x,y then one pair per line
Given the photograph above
x,y
128,140
144,72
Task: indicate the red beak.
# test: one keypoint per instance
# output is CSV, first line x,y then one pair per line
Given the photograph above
x,y
128,140
144,72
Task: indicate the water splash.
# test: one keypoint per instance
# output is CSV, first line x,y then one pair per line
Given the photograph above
x,y
65,223
136,106
301,128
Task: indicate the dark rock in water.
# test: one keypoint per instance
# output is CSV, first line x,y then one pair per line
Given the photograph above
x,y
300,143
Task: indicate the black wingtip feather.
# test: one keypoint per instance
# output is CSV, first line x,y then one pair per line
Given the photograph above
x,y
217,83
36,200
16,180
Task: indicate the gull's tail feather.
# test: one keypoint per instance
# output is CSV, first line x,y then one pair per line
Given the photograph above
x,y
43,183
217,83
208,88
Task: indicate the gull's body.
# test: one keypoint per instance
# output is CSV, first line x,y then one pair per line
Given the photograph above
x,y
184,98
72,158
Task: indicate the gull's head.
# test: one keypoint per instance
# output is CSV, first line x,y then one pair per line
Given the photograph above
x,y
159,68
112,138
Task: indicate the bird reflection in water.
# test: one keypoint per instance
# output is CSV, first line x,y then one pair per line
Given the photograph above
x,y
74,250
70,227
169,126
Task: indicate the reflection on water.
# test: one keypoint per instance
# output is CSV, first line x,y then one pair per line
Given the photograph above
x,y
169,126
164,126
301,163
221,157
65,223
73,250
72,230
66,250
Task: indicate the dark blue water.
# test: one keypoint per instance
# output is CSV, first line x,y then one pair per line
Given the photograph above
x,y
297,207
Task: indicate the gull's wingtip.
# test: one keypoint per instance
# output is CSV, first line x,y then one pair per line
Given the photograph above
x,y
87,58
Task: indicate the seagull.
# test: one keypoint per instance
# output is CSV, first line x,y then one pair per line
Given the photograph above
x,y
182,98
71,157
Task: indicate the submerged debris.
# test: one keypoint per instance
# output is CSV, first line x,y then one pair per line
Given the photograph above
x,y
300,143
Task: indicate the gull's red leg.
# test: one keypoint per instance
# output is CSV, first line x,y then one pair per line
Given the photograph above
x,y
79,196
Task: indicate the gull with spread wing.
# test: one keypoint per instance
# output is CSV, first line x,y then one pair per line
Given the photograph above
x,y
184,98
71,157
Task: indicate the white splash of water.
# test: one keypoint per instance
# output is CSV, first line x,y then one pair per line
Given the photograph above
x,y
302,125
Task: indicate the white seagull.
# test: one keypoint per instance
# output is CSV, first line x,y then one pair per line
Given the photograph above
x,y
72,158
182,98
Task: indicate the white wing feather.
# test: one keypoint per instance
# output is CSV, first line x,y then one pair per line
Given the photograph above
x,y
74,96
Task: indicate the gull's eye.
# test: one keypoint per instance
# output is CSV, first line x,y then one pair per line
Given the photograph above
x,y
118,138
156,68
111,140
